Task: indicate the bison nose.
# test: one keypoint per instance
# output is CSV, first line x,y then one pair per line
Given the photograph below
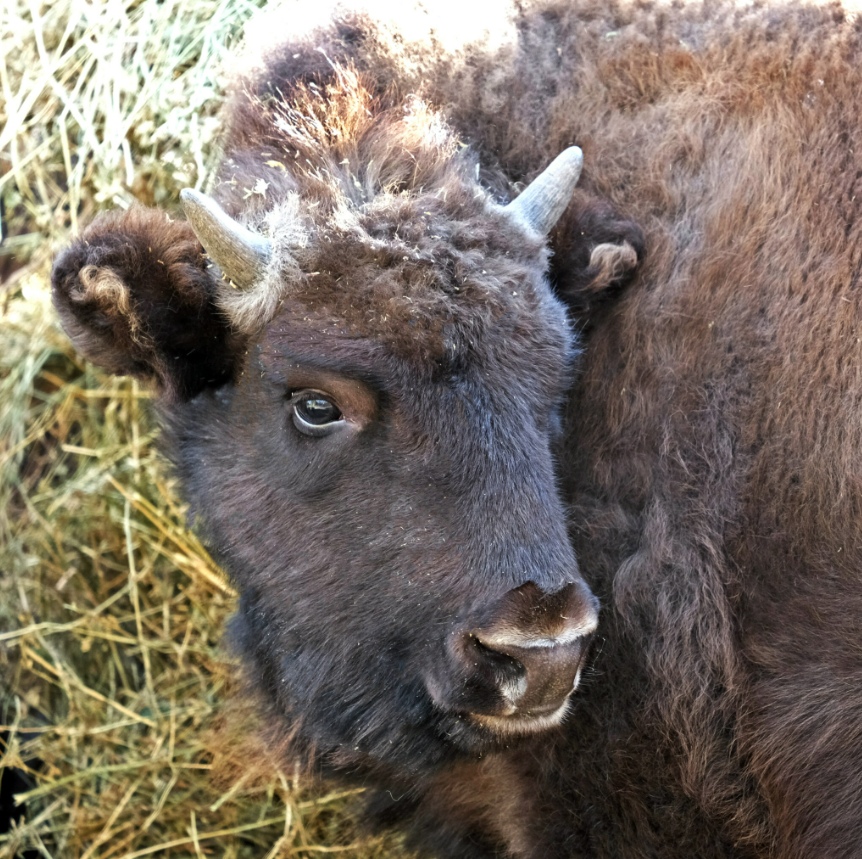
x,y
523,658
549,672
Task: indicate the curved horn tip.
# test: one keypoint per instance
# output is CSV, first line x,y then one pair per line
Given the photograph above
x,y
194,202
574,154
541,204
188,194
241,254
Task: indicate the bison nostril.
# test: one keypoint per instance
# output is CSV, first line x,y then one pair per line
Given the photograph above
x,y
488,651
551,674
531,674
502,666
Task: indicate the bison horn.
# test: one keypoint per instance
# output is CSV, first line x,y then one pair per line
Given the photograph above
x,y
544,200
241,254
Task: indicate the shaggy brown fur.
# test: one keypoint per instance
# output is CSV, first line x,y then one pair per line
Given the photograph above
x,y
710,468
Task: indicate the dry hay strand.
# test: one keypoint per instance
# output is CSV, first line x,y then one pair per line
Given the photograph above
x,y
113,725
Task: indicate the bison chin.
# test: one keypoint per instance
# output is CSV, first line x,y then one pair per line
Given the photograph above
x,y
351,715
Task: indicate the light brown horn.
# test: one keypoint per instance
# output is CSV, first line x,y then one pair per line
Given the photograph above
x,y
544,200
241,254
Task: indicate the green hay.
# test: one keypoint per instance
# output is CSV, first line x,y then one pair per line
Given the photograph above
x,y
111,676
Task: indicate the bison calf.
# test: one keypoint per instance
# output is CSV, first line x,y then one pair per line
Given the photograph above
x,y
408,392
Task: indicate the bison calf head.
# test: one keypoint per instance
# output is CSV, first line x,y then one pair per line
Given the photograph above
x,y
362,403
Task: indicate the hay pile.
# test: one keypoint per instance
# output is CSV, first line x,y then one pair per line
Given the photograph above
x,y
113,729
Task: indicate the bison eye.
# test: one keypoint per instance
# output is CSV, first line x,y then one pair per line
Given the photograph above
x,y
314,414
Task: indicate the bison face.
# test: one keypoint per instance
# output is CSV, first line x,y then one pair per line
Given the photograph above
x,y
366,438
408,588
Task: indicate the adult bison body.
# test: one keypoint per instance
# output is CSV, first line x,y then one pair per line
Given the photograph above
x,y
366,378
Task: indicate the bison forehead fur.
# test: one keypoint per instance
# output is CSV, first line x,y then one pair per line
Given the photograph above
x,y
412,605
407,274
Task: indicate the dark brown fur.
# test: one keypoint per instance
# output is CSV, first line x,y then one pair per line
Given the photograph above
x,y
711,460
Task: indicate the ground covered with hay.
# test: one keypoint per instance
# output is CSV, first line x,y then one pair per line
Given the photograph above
x,y
119,736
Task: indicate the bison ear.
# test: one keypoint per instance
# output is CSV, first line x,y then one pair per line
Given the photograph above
x,y
596,252
135,296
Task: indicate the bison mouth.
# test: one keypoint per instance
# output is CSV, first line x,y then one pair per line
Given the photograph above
x,y
523,724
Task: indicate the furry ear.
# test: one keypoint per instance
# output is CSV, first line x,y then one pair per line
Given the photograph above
x,y
135,297
596,252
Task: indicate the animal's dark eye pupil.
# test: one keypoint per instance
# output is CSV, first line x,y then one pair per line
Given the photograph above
x,y
317,411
